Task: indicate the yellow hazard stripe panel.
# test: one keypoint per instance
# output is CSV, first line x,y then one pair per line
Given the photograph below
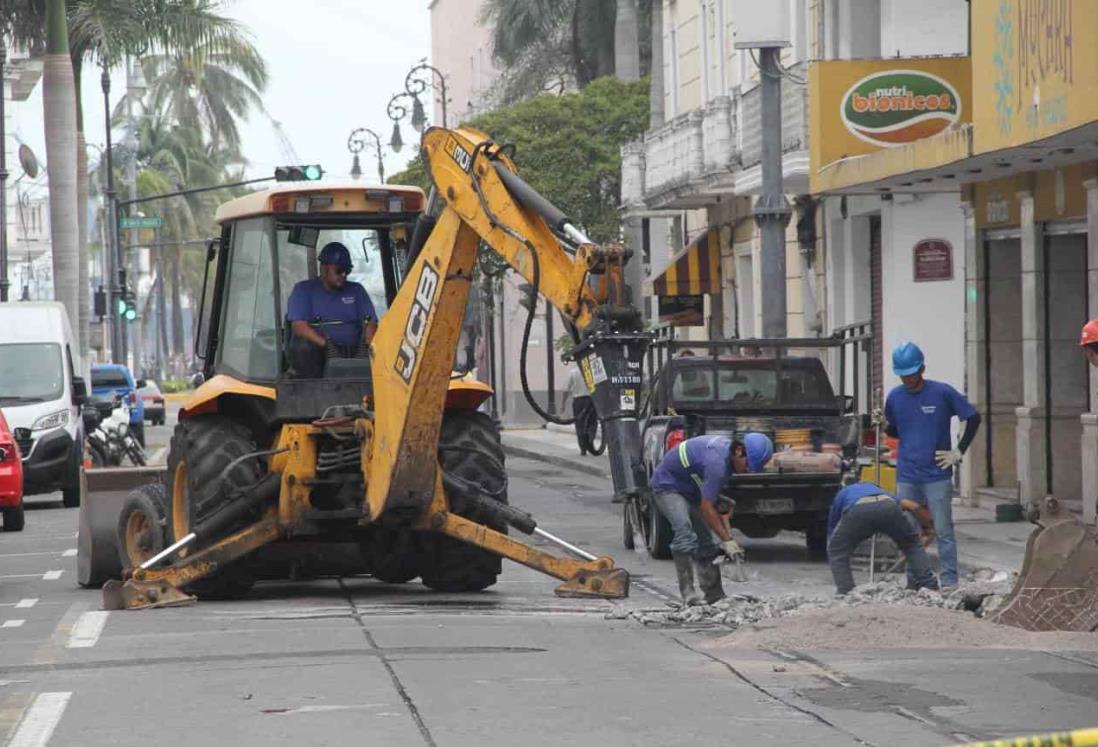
x,y
695,270
1078,738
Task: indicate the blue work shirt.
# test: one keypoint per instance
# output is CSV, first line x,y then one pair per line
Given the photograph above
x,y
922,421
311,302
695,469
847,497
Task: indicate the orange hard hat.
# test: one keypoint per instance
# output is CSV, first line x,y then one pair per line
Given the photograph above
x,y
1090,333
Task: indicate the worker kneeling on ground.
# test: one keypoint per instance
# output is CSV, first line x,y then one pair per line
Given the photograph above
x,y
686,487
861,510
330,316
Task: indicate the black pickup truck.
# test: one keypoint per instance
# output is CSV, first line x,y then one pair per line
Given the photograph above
x,y
777,387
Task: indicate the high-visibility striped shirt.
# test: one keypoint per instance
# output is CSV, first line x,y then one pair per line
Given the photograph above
x,y
695,469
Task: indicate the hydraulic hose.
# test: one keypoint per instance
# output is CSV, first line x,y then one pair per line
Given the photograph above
x,y
525,344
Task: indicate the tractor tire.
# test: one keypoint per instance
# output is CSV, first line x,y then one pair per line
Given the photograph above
x,y
201,449
472,461
393,555
142,526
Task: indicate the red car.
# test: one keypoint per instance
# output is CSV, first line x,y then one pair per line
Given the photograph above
x,y
11,479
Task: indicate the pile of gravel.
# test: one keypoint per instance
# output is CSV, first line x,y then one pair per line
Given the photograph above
x,y
980,592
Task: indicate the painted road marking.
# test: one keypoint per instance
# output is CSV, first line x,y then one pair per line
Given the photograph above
x,y
85,633
51,575
70,553
25,554
12,624
23,604
23,575
39,721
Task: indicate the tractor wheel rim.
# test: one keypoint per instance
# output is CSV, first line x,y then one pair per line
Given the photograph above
x,y
181,518
139,538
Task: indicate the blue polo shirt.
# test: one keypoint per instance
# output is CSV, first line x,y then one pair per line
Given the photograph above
x,y
922,420
310,301
847,497
696,468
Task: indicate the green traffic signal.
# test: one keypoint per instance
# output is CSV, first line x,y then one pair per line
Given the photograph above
x,y
131,313
121,307
313,172
309,173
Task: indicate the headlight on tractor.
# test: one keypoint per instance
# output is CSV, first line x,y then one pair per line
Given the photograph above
x,y
57,419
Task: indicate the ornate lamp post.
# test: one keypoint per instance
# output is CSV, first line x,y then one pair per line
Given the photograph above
x,y
397,110
3,178
415,83
356,142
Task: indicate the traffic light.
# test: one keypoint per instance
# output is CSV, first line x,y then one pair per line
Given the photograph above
x,y
100,304
529,299
308,173
127,306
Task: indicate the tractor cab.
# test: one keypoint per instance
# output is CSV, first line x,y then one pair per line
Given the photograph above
x,y
269,243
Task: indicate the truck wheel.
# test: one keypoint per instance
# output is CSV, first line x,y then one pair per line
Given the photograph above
x,y
70,495
471,457
659,533
14,518
627,527
142,525
815,539
201,448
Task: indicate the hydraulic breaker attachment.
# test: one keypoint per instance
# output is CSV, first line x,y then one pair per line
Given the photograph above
x,y
1057,588
596,578
160,587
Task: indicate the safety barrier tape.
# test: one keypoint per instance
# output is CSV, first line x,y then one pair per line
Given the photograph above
x,y
1077,738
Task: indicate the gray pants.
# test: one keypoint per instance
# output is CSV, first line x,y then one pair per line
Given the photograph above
x,y
860,522
690,535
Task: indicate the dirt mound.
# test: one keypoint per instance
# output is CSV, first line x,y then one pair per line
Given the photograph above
x,y
886,626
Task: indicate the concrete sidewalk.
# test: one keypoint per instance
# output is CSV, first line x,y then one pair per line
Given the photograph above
x,y
981,541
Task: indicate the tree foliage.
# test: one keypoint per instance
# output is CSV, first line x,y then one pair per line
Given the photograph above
x,y
555,45
569,148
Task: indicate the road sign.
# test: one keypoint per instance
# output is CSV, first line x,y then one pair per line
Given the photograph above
x,y
139,222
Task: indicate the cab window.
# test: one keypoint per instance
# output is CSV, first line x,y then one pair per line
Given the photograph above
x,y
297,262
247,344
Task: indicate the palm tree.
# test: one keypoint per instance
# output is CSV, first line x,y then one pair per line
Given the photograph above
x,y
59,105
209,86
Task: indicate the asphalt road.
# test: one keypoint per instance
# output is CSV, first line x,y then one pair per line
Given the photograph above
x,y
339,661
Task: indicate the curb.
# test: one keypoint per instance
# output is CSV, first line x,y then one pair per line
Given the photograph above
x,y
556,461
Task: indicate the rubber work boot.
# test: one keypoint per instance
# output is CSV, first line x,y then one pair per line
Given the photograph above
x,y
709,579
684,569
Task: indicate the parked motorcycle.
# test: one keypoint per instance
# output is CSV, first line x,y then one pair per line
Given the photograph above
x,y
110,440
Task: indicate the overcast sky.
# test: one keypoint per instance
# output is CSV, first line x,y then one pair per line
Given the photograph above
x,y
333,66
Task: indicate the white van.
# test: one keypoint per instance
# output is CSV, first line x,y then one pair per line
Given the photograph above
x,y
41,395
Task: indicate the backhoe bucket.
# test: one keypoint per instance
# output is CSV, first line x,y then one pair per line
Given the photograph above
x,y
1057,588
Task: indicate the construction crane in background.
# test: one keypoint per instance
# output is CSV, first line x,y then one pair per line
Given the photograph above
x,y
289,155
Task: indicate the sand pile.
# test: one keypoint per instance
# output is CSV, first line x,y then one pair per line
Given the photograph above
x,y
881,626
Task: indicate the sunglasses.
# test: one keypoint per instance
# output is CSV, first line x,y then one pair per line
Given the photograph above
x,y
341,271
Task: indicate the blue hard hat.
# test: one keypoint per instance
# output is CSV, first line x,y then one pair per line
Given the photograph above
x,y
907,359
336,254
759,449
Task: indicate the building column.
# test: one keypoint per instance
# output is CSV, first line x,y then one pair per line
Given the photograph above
x,y
1030,430
1089,443
974,466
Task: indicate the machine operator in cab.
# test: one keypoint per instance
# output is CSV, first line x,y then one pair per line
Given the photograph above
x,y
328,311
686,488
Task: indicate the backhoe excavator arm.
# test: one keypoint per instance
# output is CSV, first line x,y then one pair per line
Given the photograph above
x,y
483,200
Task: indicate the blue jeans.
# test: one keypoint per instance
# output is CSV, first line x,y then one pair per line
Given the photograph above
x,y
690,534
938,497
860,522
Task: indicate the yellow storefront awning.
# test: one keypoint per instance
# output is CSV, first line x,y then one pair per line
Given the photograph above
x,y
694,270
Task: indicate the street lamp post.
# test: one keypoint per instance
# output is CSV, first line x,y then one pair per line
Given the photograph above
x,y
416,85
397,111
115,269
3,177
356,143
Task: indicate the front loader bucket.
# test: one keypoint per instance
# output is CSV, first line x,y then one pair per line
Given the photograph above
x,y
1057,588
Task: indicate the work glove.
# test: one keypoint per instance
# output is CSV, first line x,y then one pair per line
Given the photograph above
x,y
732,549
947,459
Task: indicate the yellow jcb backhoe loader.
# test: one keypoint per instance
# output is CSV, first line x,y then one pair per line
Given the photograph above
x,y
386,452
